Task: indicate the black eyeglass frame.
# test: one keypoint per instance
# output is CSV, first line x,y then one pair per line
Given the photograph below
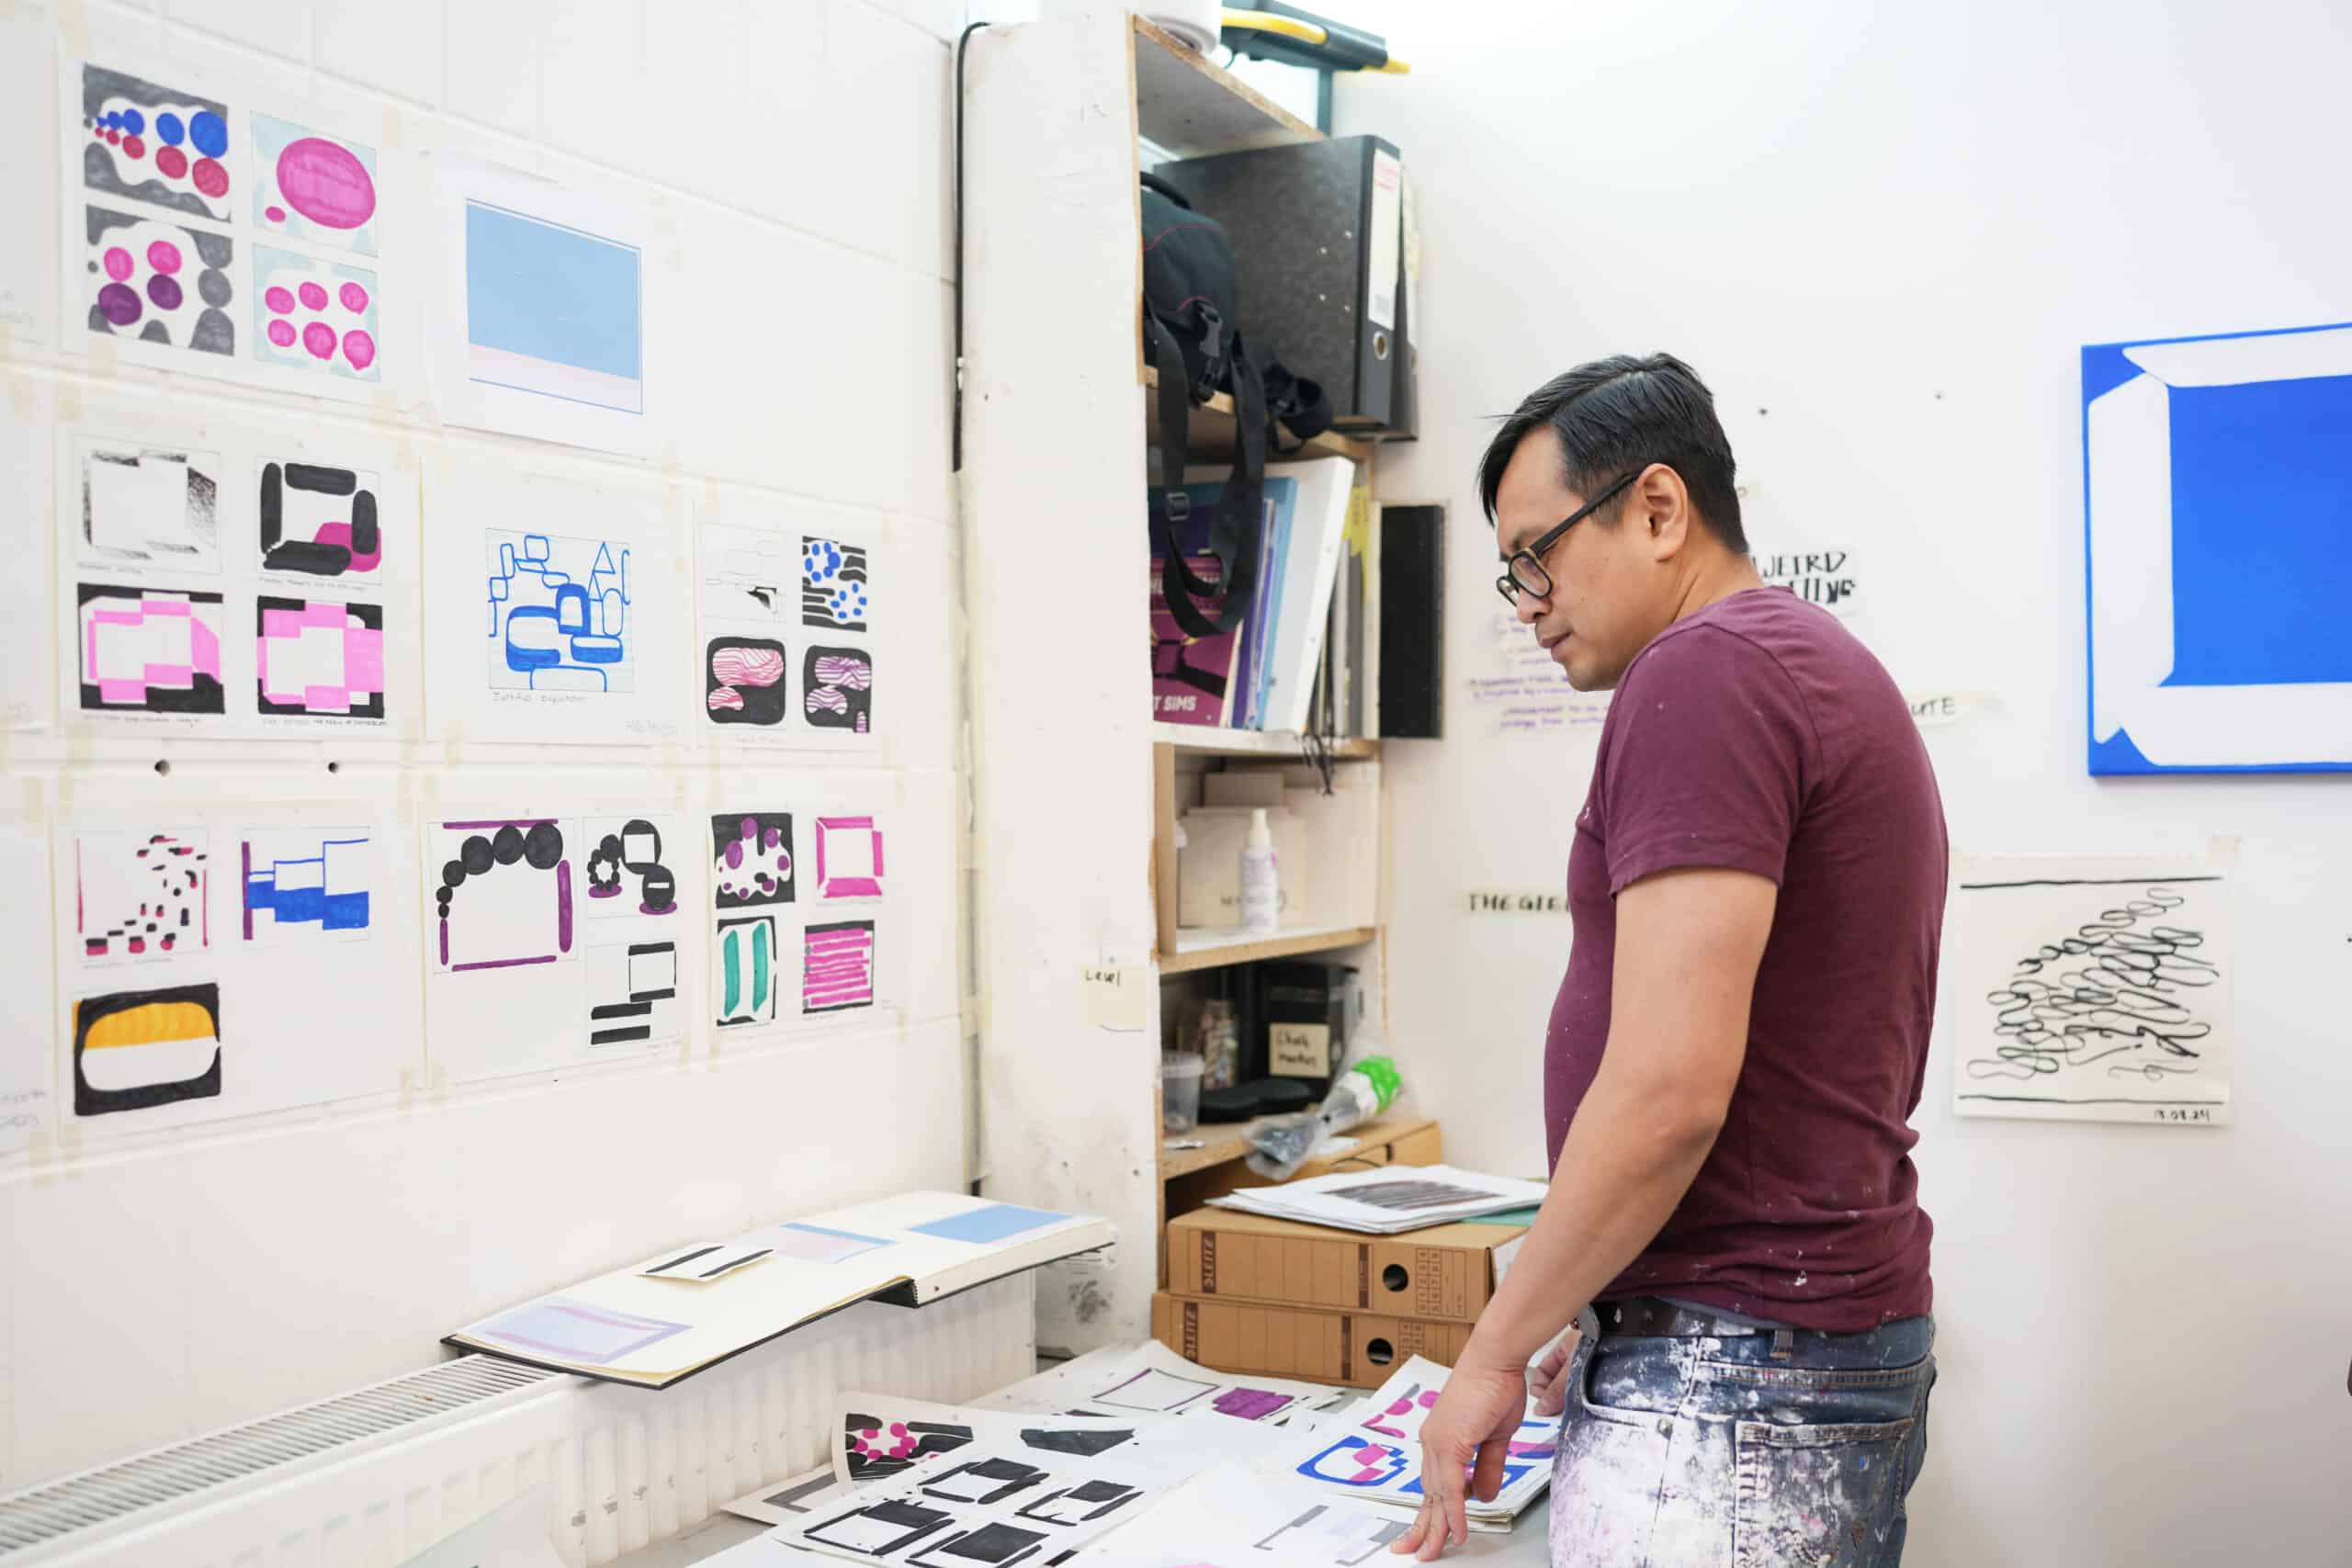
x,y
1508,584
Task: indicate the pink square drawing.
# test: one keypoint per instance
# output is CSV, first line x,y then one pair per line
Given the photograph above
x,y
849,858
318,657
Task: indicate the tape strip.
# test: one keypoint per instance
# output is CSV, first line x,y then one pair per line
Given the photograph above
x,y
440,1096
73,26
69,401
22,404
101,359
44,1156
36,802
408,1092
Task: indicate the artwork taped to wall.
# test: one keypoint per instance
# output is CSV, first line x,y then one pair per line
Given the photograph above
x,y
544,327
743,958
633,996
837,689
837,966
142,896
159,283
319,658
138,506
626,874
312,186
306,886
164,146
750,858
2092,989
138,1050
315,315
550,633
635,999
318,521
789,624
848,858
1828,577
149,651
2217,491
506,893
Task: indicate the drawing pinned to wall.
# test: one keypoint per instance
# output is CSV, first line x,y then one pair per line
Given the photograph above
x,y
2217,495
136,1050
745,956
746,573
559,614
320,521
319,658
838,683
833,585
142,896
146,506
625,874
311,314
149,651
633,995
314,186
515,883
158,282
304,885
155,144
837,966
743,680
848,858
2092,989
750,858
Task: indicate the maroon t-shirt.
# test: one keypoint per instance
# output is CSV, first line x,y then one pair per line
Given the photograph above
x,y
1759,734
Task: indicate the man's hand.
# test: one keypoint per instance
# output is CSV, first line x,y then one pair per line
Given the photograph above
x,y
1471,1422
1551,1375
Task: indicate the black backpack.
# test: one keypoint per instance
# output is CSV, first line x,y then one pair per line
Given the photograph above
x,y
1191,311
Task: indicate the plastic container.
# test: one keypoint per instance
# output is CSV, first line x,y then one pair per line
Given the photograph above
x,y
1180,1091
1261,899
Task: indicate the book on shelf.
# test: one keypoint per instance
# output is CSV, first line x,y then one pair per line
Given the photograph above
x,y
1190,676
1184,667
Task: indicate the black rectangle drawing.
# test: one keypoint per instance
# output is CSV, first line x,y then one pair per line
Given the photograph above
x,y
148,506
879,1529
149,651
983,1481
1082,1504
136,1050
318,521
750,858
318,657
991,1546
632,994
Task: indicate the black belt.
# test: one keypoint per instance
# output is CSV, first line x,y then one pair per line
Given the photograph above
x,y
1654,1316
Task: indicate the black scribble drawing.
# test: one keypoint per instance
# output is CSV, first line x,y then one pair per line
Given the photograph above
x,y
2120,997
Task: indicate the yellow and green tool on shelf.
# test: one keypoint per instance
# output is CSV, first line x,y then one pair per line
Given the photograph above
x,y
1268,29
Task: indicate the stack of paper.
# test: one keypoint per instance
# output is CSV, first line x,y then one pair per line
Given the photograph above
x,y
1233,1516
1387,1201
1152,1382
1377,1459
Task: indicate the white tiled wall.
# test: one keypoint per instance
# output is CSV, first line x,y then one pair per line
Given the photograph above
x,y
795,157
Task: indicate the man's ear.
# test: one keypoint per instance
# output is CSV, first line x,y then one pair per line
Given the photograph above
x,y
1664,503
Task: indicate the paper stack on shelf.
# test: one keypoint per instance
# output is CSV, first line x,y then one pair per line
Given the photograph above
x,y
1388,1201
1378,1459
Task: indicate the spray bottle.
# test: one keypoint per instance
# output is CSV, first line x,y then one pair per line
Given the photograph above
x,y
1261,899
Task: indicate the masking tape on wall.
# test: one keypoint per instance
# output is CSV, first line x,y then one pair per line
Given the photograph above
x,y
43,1151
73,26
408,1090
101,359
36,802
69,400
22,404
440,1085
69,1147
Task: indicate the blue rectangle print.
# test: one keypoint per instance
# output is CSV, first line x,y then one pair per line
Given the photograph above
x,y
983,1227
546,292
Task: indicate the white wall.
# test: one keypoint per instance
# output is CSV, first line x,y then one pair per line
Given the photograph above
x,y
796,159
1882,234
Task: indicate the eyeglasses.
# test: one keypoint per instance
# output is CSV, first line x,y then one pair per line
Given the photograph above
x,y
1524,573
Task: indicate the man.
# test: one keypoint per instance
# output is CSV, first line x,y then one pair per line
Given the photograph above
x,y
1757,885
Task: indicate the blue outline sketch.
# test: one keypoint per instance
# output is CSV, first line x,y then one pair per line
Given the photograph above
x,y
574,636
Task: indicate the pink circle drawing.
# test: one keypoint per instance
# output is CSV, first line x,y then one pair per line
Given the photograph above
x,y
212,178
359,348
164,291
274,214
134,147
313,295
354,298
326,184
119,263
282,334
164,257
171,162
319,338
278,300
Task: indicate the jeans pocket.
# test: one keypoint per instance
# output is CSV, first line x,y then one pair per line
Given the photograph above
x,y
1813,1496
1607,1481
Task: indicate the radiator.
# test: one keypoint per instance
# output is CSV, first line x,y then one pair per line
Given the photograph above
x,y
371,1477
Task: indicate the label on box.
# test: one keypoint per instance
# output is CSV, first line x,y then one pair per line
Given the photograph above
x,y
1298,1050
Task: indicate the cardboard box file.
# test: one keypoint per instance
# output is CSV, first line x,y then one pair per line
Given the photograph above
x,y
1444,1274
1359,1349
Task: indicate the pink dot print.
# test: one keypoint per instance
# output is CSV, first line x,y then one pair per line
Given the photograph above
x,y
314,297
319,338
119,263
274,214
354,298
164,257
279,299
359,348
212,178
282,334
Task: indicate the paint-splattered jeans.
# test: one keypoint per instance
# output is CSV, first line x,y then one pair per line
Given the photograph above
x,y
1679,1452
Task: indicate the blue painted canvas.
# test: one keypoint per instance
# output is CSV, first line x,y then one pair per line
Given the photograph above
x,y
553,311
2217,495
985,1228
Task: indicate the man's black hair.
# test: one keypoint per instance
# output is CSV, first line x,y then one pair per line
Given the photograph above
x,y
1621,413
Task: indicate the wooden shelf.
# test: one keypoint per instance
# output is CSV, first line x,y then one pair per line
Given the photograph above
x,y
1230,1140
1214,948
1189,105
1282,743
1210,432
